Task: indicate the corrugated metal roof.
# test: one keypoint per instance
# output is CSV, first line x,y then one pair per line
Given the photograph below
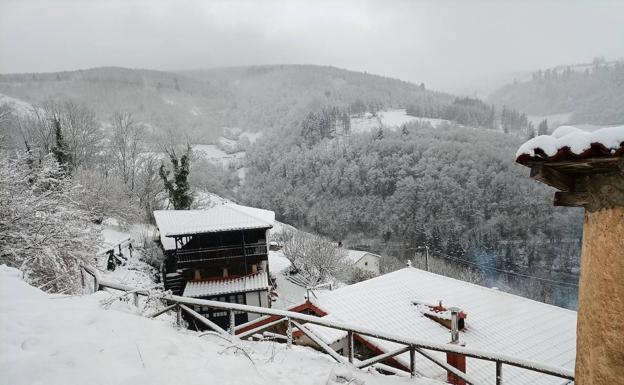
x,y
210,288
496,322
571,143
222,217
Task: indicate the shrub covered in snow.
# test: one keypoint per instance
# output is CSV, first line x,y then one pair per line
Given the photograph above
x,y
43,232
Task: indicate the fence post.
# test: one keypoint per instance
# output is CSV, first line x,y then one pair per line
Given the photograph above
x,y
412,362
289,339
499,373
232,322
96,284
136,299
351,347
178,315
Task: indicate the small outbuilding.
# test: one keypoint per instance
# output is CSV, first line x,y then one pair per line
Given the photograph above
x,y
365,261
587,169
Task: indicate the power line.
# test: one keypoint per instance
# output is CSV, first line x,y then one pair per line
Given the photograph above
x,y
574,275
562,283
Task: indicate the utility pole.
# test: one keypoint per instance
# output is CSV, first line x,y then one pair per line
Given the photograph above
x,y
426,255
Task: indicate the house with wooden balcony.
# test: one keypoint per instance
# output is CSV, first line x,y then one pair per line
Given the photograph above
x,y
219,253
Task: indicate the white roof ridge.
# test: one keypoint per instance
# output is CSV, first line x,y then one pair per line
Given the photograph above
x,y
232,207
489,289
217,218
485,288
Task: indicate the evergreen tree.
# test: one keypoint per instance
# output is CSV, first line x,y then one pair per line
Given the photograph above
x,y
60,150
530,131
379,135
542,129
178,188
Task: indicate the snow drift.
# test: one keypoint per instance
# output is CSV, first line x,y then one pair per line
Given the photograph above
x,y
52,339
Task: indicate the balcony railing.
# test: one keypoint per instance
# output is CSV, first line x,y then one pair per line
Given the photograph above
x,y
221,253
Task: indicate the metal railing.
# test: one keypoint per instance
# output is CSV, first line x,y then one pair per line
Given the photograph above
x,y
411,345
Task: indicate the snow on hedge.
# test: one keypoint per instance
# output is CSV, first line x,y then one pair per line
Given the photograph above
x,y
69,340
575,139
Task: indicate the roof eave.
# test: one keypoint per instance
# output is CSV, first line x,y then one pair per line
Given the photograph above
x,y
186,233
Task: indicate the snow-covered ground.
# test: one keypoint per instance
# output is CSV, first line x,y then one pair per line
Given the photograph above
x,y
553,119
289,293
392,118
214,154
65,340
134,272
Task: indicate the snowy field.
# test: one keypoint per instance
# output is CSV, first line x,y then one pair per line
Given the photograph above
x,y
64,340
394,118
214,154
554,120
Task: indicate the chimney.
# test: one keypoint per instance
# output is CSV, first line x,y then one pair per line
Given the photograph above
x,y
456,360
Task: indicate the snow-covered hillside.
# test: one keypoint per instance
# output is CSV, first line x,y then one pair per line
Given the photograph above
x,y
54,339
392,118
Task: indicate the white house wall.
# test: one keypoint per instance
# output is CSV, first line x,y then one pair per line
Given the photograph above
x,y
369,262
257,298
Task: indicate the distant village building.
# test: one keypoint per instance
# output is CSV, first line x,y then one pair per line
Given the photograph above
x,y
364,260
414,303
219,254
588,170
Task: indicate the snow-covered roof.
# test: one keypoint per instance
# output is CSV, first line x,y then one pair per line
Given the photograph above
x,y
356,255
254,282
568,142
221,217
496,321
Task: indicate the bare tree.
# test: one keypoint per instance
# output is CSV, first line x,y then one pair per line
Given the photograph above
x,y
148,185
82,132
313,256
125,146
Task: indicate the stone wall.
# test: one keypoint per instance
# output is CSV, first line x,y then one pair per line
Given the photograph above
x,y
600,327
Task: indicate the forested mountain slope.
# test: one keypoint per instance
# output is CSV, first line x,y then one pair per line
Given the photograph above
x,y
455,189
277,95
164,100
201,103
593,93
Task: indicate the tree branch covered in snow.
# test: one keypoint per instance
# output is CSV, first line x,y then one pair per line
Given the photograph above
x,y
313,256
43,232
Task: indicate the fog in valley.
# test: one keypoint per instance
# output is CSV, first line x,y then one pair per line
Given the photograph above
x,y
453,46
390,127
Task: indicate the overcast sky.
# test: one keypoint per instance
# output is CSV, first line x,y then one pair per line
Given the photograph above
x,y
450,45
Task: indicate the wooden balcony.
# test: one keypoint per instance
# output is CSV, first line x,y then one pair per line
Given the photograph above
x,y
220,254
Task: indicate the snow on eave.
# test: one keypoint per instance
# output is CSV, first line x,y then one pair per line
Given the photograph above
x,y
219,218
209,288
568,142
